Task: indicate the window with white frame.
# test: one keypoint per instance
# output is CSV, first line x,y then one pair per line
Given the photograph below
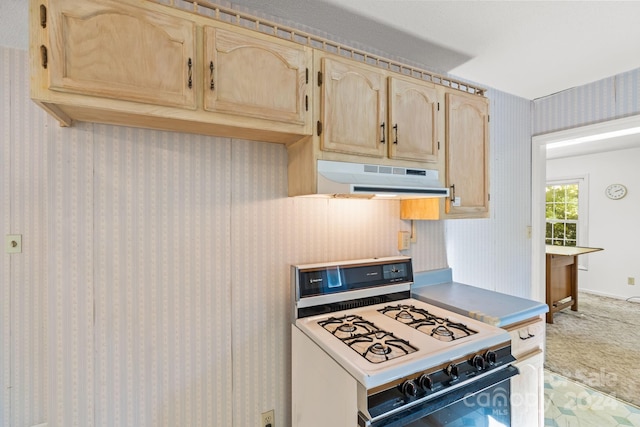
x,y
562,214
566,213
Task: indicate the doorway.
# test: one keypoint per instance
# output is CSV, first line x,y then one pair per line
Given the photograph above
x,y
599,137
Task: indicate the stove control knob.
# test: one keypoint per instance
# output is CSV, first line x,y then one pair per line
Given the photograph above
x,y
425,382
491,357
478,362
453,371
409,388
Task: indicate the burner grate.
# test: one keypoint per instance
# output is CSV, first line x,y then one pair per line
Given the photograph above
x,y
380,346
371,342
437,327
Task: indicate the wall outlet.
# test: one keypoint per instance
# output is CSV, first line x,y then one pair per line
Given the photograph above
x,y
268,419
13,243
631,280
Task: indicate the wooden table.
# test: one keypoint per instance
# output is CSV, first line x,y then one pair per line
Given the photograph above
x,y
562,277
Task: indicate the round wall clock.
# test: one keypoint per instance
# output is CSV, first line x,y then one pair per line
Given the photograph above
x,y
616,191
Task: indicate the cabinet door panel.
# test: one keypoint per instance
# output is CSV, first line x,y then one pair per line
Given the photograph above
x,y
527,397
255,77
116,50
467,149
413,111
352,109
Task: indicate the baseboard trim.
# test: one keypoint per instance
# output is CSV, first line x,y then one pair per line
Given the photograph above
x,y
604,294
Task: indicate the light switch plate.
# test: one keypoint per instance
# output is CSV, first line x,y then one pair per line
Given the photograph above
x,y
404,240
13,243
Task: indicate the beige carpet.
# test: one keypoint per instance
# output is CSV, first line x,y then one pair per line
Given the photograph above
x,y
598,345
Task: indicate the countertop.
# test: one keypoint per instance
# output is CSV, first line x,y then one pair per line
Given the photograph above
x,y
498,309
569,250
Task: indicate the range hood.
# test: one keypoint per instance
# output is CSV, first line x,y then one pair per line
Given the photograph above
x,y
344,179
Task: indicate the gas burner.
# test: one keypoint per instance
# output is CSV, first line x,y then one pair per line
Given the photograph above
x,y
404,313
347,326
447,331
380,349
380,346
442,333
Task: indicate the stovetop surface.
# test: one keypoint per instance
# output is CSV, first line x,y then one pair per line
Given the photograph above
x,y
384,342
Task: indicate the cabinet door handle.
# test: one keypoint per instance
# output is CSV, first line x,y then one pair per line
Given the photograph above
x,y
529,335
395,127
382,141
212,85
190,71
44,59
453,193
43,16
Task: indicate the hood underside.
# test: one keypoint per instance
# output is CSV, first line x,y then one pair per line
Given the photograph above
x,y
344,179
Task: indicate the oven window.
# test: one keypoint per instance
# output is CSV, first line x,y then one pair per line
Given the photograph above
x,y
487,408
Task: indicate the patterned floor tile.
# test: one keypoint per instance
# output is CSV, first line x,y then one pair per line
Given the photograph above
x,y
570,404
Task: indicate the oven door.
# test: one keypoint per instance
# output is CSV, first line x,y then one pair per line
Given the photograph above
x,y
484,402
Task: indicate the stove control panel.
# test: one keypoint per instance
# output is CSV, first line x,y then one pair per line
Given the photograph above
x,y
331,279
435,381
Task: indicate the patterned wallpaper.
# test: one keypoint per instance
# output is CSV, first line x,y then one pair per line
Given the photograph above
x,y
6,65
153,289
607,99
23,278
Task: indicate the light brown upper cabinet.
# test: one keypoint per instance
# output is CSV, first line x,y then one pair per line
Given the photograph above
x,y
466,168
145,64
256,77
467,155
117,50
413,120
352,108
354,118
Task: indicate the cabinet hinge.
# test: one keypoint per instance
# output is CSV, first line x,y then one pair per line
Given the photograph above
x,y
306,76
319,78
306,103
319,127
43,16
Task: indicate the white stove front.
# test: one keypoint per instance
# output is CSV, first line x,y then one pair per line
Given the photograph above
x,y
412,349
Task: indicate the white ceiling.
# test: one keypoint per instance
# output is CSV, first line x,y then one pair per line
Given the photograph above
x,y
527,48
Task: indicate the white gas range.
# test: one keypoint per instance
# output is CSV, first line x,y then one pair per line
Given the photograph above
x,y
358,337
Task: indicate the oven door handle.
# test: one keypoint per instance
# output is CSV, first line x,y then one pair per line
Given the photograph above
x,y
421,410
